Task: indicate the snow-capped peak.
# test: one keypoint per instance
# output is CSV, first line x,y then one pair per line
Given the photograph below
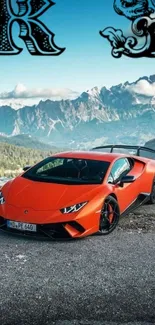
x,y
94,91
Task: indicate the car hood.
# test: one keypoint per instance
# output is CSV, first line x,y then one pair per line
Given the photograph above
x,y
24,193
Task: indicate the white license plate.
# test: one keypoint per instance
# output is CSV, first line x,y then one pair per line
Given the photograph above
x,y
21,226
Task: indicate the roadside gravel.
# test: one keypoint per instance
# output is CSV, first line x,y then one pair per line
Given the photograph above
x,y
96,281
142,220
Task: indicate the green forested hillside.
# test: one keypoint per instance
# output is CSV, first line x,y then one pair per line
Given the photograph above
x,y
13,158
26,141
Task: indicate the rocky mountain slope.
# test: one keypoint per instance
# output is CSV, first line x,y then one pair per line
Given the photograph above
x,y
125,113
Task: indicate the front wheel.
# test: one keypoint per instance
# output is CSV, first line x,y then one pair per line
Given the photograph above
x,y
110,215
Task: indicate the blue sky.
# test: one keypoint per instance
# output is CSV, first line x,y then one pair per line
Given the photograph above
x,y
87,61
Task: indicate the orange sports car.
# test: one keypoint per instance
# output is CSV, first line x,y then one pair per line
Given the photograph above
x,y
76,194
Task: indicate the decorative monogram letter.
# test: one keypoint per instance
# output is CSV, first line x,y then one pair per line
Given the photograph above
x,y
38,39
141,43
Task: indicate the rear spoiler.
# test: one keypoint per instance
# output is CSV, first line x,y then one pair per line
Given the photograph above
x,y
139,150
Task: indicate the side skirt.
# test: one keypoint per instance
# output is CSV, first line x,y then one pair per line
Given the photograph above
x,y
141,199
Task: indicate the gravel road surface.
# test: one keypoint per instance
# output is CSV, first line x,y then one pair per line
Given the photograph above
x,y
99,280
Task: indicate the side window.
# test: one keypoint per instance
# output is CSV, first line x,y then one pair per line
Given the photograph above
x,y
121,167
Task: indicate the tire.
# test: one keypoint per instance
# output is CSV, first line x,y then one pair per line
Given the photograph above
x,y
152,195
110,215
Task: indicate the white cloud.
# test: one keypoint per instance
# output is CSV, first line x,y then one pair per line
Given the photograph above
x,y
143,87
19,103
21,92
21,96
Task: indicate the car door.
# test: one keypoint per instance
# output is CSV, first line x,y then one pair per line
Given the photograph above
x,y
129,192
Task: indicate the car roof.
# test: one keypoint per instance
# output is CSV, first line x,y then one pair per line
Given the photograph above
x,y
105,156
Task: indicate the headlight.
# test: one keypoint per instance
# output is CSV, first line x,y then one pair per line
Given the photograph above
x,y
73,208
2,200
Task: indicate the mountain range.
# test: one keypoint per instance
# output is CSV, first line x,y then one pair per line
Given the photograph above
x,y
124,113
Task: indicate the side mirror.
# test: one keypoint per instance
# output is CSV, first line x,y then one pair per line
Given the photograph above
x,y
26,168
126,180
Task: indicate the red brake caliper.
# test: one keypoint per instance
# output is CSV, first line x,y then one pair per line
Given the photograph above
x,y
111,213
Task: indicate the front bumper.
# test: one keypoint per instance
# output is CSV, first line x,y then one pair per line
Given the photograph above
x,y
54,231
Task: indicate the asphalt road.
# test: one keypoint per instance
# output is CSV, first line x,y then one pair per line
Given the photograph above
x,y
99,280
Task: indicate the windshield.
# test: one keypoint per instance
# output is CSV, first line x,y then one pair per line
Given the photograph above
x,y
68,171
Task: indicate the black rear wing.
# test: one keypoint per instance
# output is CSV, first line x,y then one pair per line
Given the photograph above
x,y
132,150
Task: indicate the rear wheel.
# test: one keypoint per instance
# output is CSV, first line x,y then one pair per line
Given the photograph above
x,y
109,218
152,195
